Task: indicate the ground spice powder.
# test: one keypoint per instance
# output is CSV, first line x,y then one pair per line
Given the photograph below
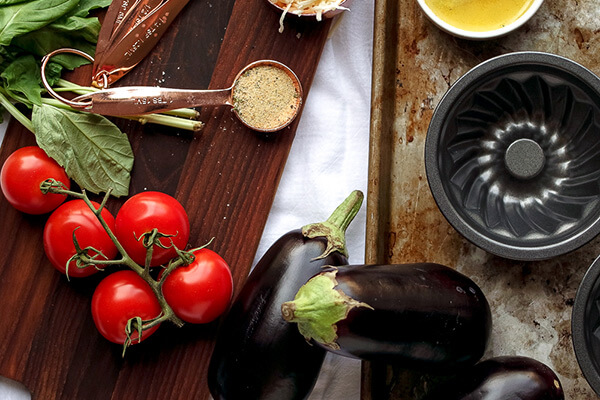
x,y
265,97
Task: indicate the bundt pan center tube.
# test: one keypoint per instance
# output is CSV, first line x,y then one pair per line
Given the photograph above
x,y
512,155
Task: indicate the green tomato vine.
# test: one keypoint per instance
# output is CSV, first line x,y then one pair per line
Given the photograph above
x,y
150,239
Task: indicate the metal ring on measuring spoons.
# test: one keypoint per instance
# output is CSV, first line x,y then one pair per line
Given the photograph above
x,y
47,57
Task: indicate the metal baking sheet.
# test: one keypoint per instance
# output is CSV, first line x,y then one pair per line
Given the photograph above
x,y
414,65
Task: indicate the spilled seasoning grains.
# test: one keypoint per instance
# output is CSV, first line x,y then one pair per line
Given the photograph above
x,y
265,97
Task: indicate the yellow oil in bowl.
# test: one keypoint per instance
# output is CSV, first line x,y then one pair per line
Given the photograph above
x,y
479,15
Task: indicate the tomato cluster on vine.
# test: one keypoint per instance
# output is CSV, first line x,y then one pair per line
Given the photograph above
x,y
150,233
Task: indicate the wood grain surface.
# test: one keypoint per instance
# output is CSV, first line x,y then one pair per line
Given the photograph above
x,y
225,176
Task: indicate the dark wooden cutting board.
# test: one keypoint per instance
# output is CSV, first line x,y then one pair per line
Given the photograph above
x,y
225,176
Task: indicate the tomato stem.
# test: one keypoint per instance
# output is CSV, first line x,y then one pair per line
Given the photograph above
x,y
149,240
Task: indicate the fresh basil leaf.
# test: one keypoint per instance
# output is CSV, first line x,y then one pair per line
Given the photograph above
x,y
18,19
93,151
4,59
47,39
66,32
85,6
53,73
79,27
9,53
23,76
9,2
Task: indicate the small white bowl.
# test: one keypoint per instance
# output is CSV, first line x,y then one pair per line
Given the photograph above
x,y
476,35
329,14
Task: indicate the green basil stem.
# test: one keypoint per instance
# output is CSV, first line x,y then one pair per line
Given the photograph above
x,y
18,115
67,86
179,119
167,120
158,119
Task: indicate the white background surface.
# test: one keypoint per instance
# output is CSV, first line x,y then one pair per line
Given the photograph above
x,y
328,159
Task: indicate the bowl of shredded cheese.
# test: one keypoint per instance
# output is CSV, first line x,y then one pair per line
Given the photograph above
x,y
479,19
318,9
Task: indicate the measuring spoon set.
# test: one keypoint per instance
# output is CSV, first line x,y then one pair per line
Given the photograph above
x,y
130,30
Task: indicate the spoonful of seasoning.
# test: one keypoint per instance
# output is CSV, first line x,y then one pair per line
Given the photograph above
x,y
266,96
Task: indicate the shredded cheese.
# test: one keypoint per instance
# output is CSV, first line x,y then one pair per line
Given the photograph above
x,y
298,7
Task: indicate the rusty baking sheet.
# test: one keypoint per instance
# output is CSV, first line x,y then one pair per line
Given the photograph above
x,y
414,65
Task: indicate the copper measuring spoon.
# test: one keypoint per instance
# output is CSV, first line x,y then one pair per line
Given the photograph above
x,y
131,30
138,100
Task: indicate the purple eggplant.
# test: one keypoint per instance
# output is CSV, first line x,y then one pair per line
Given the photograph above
x,y
502,378
420,316
258,355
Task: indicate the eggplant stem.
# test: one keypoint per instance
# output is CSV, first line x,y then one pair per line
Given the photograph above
x,y
334,228
318,307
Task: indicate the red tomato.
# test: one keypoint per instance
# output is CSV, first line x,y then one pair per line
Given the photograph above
x,y
144,212
119,297
198,293
21,176
58,236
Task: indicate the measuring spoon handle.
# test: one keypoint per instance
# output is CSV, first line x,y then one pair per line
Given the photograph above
x,y
138,100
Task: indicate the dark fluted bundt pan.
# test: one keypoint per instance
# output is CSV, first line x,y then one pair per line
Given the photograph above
x,y
585,326
513,155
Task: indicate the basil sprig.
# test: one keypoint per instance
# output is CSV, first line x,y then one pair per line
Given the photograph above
x,y
93,151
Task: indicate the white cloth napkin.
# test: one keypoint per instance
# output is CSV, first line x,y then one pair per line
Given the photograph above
x,y
328,159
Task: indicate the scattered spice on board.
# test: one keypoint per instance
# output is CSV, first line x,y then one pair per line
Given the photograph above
x,y
265,97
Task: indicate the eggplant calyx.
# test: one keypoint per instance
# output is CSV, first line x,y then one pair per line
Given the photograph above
x,y
318,306
334,229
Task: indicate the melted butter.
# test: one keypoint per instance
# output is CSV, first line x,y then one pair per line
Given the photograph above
x,y
479,15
